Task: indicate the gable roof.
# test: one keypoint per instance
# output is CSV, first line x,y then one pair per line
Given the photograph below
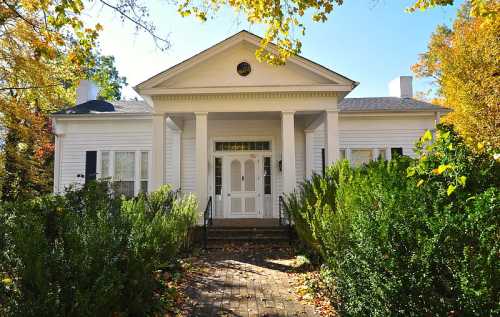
x,y
242,36
347,105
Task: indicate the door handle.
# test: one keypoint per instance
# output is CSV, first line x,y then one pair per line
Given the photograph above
x,y
228,194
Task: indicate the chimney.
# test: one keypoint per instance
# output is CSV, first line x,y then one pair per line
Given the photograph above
x,y
87,90
401,87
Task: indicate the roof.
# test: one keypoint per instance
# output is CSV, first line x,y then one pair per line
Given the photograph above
x,y
101,106
242,35
370,104
386,104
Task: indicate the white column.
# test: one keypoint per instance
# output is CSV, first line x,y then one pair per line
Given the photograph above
x,y
288,152
331,136
201,159
375,154
309,152
158,152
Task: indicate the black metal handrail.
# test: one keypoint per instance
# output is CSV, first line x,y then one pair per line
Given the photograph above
x,y
207,220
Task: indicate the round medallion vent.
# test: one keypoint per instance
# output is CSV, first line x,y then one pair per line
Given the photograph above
x,y
243,69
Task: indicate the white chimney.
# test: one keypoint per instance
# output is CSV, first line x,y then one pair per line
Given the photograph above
x,y
87,90
401,87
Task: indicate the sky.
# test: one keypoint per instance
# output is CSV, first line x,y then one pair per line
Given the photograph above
x,y
369,41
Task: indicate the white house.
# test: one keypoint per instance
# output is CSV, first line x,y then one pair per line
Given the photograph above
x,y
222,125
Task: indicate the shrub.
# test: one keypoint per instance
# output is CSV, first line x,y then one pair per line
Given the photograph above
x,y
408,237
88,253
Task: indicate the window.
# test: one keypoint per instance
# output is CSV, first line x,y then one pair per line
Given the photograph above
x,y
267,175
105,165
243,146
395,151
381,154
341,154
243,69
144,172
127,170
218,176
124,177
360,156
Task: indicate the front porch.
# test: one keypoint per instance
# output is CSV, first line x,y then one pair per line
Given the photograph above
x,y
243,161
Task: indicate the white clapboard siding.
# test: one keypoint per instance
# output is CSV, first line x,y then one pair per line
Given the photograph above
x,y
374,132
82,136
300,154
188,158
172,155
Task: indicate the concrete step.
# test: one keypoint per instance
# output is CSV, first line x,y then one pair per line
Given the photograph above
x,y
247,232
244,244
240,235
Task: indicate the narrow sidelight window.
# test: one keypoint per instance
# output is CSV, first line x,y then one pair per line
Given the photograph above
x,y
105,165
218,176
144,172
267,176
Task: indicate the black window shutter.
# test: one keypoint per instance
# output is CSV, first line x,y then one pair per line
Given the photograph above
x,y
323,161
396,151
90,165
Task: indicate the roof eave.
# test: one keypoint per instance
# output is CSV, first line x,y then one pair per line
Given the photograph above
x,y
102,115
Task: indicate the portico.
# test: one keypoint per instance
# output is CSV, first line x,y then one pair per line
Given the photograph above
x,y
217,106
243,160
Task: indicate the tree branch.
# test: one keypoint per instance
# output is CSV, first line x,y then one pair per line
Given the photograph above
x,y
137,21
29,87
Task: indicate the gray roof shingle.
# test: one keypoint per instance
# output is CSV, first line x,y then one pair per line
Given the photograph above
x,y
131,106
385,104
100,106
370,104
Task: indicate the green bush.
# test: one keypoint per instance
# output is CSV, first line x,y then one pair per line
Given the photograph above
x,y
408,237
88,253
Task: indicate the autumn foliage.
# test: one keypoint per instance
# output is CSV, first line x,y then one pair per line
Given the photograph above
x,y
45,49
464,62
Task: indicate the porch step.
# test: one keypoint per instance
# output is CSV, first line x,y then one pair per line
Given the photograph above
x,y
262,235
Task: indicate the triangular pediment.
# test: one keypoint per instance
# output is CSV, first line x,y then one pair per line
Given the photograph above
x,y
216,67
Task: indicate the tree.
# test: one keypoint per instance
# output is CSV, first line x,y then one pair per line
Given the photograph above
x,y
283,19
463,62
104,73
44,50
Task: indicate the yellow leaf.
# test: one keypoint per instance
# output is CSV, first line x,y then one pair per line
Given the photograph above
x,y
442,168
7,281
462,180
420,182
427,136
451,189
410,171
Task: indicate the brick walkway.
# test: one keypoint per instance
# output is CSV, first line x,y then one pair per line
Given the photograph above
x,y
244,281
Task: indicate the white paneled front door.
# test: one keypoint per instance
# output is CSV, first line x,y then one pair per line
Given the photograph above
x,y
243,184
